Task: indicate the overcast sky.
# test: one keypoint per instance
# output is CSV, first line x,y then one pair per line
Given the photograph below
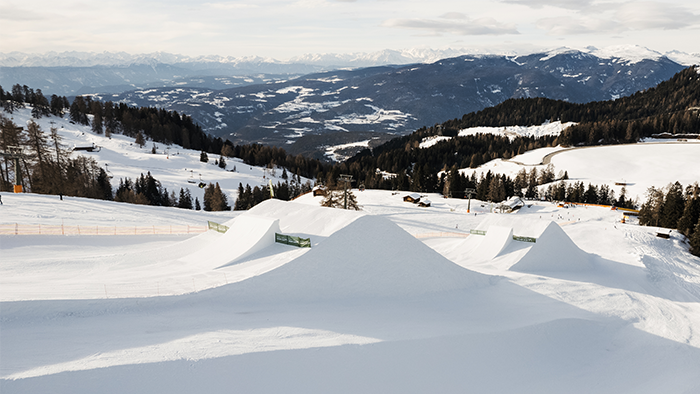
x,y
284,29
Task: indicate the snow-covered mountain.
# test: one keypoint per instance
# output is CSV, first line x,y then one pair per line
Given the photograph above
x,y
119,59
295,103
69,73
358,59
396,100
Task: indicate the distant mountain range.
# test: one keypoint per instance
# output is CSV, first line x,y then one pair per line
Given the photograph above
x,y
74,73
395,100
301,105
71,73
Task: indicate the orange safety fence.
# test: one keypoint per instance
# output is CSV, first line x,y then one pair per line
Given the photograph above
x,y
604,206
60,229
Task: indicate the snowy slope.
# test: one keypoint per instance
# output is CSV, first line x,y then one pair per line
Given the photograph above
x,y
368,308
512,132
395,298
639,166
172,165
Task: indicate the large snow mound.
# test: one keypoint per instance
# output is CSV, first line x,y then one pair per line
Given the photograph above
x,y
553,250
370,257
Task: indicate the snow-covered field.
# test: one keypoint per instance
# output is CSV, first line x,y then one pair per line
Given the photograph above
x,y
638,166
379,303
395,298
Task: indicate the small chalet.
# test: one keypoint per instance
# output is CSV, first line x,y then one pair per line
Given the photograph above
x,y
424,203
413,197
512,204
319,191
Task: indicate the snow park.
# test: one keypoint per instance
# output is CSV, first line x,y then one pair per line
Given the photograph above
x,y
454,296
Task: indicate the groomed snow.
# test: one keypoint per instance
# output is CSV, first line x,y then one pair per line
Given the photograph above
x,y
395,298
387,299
638,166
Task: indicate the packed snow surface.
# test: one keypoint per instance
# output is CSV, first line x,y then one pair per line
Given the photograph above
x,y
637,167
395,297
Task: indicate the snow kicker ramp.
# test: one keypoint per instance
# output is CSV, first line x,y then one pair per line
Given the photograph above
x,y
495,240
247,234
306,220
552,251
370,257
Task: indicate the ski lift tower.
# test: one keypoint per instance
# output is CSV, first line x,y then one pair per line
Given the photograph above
x,y
14,153
469,192
346,179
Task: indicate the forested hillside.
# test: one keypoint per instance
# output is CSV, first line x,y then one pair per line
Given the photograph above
x,y
47,166
671,107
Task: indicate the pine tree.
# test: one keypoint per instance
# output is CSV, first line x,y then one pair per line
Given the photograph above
x,y
650,212
185,200
691,211
673,205
97,123
240,204
140,141
220,200
203,157
208,195
336,199
695,240
222,163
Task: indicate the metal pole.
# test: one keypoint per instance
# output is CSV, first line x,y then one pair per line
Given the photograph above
x,y
469,193
346,179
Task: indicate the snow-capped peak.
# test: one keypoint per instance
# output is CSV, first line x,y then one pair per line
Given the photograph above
x,y
628,53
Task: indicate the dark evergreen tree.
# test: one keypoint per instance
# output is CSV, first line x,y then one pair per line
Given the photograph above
x,y
673,206
691,211
650,212
185,199
695,240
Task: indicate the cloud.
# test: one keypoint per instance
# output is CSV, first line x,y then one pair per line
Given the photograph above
x,y
567,4
564,26
454,15
616,18
12,13
653,15
454,23
229,6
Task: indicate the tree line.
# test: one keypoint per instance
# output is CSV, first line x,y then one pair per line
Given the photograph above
x,y
41,106
674,207
170,127
671,107
46,167
249,197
